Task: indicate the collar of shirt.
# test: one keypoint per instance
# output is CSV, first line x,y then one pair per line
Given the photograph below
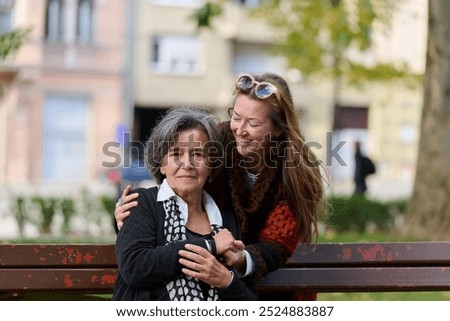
x,y
165,192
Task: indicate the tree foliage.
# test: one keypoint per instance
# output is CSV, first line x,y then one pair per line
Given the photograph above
x,y
328,37
206,13
11,41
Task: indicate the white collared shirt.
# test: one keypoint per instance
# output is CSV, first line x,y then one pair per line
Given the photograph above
x,y
165,192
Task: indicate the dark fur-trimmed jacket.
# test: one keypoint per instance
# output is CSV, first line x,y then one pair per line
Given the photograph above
x,y
268,224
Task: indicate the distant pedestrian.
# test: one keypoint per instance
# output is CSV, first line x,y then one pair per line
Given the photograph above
x,y
363,168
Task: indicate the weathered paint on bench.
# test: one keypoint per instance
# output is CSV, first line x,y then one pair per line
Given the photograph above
x,y
331,267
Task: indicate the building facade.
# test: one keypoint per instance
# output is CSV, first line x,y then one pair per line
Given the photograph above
x,y
177,64
93,70
65,96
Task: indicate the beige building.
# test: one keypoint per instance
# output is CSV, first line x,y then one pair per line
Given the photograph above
x,y
176,64
81,56
63,92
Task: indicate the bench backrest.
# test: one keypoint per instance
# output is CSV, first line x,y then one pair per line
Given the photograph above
x,y
78,268
331,267
361,267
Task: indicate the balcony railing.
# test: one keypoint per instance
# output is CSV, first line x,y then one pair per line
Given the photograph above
x,y
82,57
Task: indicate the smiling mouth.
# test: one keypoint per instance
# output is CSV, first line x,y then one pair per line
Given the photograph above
x,y
244,141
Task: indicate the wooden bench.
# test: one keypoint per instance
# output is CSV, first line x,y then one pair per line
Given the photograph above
x,y
67,269
365,267
333,267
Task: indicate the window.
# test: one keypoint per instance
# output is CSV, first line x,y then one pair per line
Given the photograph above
x,y
54,27
351,117
408,133
64,156
6,7
85,28
175,54
254,58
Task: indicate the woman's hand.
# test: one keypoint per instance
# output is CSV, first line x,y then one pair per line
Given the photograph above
x,y
225,241
202,265
236,258
123,206
230,250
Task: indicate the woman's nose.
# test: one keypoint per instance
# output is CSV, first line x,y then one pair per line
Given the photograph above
x,y
241,129
186,160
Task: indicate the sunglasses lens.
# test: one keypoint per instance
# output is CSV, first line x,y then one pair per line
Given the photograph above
x,y
245,83
263,90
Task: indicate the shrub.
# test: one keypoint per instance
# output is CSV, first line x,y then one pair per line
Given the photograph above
x,y
46,213
108,204
358,213
20,213
68,211
47,208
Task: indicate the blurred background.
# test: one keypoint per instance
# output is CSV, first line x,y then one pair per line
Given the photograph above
x,y
88,79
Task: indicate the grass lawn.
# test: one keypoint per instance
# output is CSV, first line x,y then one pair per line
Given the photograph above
x,y
385,296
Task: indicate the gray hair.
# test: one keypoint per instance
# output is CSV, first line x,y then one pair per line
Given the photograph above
x,y
176,120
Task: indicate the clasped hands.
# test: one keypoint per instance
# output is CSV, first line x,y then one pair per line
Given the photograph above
x,y
199,263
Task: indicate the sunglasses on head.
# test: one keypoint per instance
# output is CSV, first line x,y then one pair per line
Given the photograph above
x,y
263,89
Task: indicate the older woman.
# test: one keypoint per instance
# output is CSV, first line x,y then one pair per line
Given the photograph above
x,y
168,248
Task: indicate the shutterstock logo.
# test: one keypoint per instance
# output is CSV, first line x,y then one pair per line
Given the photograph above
x,y
278,150
112,150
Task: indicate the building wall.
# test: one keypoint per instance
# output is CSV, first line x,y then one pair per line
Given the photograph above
x,y
167,89
65,68
236,43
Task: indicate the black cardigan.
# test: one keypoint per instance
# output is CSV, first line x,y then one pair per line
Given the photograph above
x,y
146,263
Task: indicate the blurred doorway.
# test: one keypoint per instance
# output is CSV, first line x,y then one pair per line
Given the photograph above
x,y
350,125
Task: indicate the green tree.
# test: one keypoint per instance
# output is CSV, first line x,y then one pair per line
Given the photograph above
x,y
11,41
428,213
318,37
